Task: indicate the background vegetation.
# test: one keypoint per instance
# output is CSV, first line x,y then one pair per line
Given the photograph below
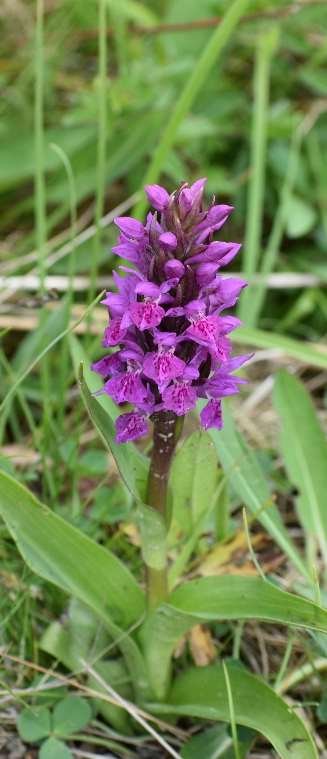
x,y
96,98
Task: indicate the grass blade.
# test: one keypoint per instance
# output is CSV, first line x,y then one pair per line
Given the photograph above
x,y
243,470
102,140
313,355
258,291
40,201
231,711
209,56
304,448
265,49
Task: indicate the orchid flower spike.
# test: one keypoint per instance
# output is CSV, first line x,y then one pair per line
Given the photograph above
x,y
166,321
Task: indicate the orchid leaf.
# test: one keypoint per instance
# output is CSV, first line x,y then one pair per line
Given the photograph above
x,y
193,481
216,743
219,598
304,448
63,555
201,692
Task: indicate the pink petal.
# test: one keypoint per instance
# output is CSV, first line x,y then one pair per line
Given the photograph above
x,y
211,415
162,367
168,241
146,315
174,268
157,196
130,427
129,226
114,333
179,397
126,387
108,365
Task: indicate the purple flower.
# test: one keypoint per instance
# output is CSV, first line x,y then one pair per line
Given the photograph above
x,y
210,331
130,427
179,397
130,227
165,317
211,415
157,196
107,365
162,366
146,315
174,268
168,241
114,333
126,386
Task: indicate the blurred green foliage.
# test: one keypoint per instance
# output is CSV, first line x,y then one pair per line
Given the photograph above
x,y
146,71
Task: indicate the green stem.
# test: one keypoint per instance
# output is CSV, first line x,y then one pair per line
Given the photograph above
x,y
167,428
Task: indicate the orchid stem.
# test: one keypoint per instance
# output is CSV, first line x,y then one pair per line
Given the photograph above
x,y
167,429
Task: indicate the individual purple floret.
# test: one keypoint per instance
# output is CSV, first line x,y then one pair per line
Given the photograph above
x,y
166,319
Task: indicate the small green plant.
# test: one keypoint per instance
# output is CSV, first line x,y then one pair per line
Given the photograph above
x,y
169,349
52,727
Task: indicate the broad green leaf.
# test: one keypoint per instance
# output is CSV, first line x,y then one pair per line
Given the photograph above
x,y
243,471
54,749
17,160
71,715
217,598
64,556
112,671
301,217
153,536
304,448
193,481
77,637
201,693
216,743
313,355
51,325
34,723
93,463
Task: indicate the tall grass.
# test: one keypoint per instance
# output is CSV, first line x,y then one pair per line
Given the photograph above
x,y
64,374
40,221
101,140
254,217
209,57
39,195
